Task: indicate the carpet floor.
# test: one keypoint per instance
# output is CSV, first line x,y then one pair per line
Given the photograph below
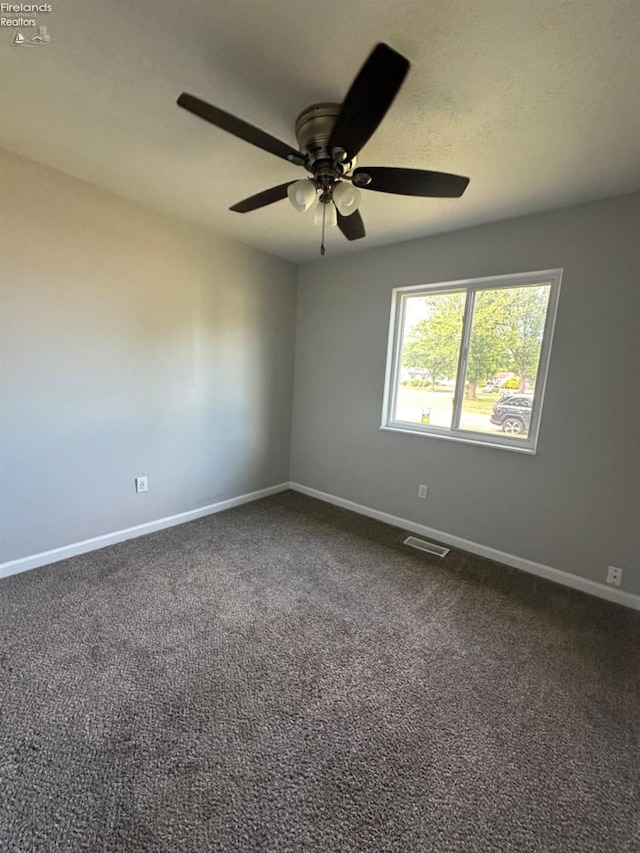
x,y
288,676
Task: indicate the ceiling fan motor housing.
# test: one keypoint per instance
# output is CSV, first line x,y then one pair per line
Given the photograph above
x,y
313,131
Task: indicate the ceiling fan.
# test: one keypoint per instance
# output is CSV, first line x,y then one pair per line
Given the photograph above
x,y
330,137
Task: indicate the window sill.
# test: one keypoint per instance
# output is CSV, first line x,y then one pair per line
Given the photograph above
x,y
462,438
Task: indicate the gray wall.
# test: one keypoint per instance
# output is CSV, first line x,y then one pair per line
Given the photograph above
x,y
576,505
131,344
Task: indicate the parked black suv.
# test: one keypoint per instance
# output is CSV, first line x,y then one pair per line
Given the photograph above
x,y
512,413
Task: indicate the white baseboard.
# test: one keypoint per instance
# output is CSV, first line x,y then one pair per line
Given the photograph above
x,y
610,593
45,557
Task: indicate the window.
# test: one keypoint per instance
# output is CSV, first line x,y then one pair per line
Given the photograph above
x,y
468,359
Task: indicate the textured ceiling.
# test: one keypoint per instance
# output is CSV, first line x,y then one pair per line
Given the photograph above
x,y
537,102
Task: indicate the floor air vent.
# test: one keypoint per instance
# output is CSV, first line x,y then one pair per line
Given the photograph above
x,y
423,545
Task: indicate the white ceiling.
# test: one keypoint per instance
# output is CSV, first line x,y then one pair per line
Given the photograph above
x,y
537,102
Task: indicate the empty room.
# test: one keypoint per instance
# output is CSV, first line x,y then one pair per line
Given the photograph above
x,y
319,418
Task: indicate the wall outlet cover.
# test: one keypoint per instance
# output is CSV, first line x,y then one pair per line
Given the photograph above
x,y
614,576
141,485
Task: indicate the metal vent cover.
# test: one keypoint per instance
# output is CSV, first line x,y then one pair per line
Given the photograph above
x,y
423,545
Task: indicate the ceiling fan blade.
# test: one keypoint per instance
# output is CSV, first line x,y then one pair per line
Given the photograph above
x,y
370,96
410,182
262,199
351,226
240,128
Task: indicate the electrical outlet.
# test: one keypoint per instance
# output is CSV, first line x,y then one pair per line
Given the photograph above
x,y
422,492
141,485
614,576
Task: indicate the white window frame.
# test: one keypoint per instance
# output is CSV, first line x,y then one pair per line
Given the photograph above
x,y
470,287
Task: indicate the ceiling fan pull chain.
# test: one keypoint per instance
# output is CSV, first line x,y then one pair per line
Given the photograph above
x,y
324,213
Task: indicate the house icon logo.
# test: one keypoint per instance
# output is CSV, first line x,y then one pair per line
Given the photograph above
x,y
41,38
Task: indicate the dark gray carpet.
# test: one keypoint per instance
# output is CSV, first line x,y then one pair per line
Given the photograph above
x,y
287,676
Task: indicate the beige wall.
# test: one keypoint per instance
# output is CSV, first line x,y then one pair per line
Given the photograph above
x,y
130,344
576,505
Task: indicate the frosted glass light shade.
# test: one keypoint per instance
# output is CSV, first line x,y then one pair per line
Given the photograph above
x,y
331,217
346,198
302,194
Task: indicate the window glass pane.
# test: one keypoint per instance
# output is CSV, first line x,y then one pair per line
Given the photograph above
x,y
430,349
504,355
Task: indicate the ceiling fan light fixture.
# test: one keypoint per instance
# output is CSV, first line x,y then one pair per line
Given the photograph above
x,y
302,194
346,198
327,210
